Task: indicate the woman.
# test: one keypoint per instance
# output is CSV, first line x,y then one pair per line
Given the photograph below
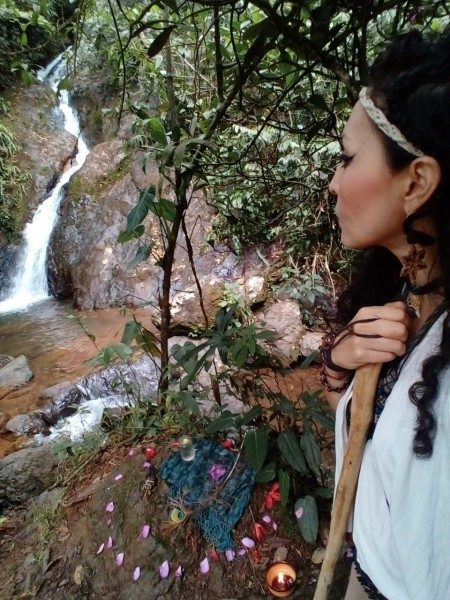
x,y
393,201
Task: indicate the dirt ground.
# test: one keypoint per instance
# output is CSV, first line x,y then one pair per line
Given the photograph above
x,y
49,549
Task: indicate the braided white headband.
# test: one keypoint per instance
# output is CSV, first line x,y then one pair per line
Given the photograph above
x,y
389,129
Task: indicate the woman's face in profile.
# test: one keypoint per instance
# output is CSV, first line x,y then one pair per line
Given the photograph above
x,y
369,206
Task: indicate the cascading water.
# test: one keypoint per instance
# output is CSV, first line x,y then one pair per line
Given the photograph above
x,y
30,283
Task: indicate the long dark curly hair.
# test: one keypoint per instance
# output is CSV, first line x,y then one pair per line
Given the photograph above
x,y
410,82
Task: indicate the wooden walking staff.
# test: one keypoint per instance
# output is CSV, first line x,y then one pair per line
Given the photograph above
x,y
364,388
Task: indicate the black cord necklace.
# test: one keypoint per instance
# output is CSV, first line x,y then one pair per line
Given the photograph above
x,y
411,294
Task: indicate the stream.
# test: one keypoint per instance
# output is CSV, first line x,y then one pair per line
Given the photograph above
x,y
31,321
56,347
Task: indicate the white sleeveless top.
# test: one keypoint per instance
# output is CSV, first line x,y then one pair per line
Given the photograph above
x,y
401,518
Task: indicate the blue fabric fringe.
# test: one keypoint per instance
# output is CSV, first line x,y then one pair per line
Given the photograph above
x,y
192,485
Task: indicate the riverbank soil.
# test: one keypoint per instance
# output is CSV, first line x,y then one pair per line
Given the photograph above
x,y
68,543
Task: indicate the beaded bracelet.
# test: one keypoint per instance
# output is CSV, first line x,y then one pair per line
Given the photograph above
x,y
329,341
327,345
335,388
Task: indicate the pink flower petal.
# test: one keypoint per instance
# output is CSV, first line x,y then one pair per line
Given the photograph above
x,y
118,476
145,531
119,559
100,548
229,554
267,519
132,452
109,507
147,465
164,569
248,543
108,522
299,512
204,566
109,543
178,572
274,525
137,573
242,552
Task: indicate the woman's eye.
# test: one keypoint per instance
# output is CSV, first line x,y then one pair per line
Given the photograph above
x,y
346,159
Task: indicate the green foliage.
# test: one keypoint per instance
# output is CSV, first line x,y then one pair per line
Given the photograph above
x,y
308,522
256,443
13,183
234,343
309,289
28,37
45,519
289,451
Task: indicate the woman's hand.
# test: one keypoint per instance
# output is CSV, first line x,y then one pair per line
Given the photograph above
x,y
389,328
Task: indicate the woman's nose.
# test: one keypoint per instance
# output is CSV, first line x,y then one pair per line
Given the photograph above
x,y
333,187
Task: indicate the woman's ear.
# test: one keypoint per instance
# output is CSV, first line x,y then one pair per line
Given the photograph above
x,y
423,177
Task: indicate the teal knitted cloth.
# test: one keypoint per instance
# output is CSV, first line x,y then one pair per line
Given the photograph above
x,y
217,504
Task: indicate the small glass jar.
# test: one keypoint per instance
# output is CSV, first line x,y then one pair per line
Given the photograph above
x,y
187,450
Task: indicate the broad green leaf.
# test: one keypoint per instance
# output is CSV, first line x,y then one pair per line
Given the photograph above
x,y
318,101
285,485
142,254
126,236
265,334
251,32
290,449
201,142
241,357
252,414
140,211
266,474
158,132
149,342
324,419
178,155
167,155
160,41
324,492
130,332
172,4
308,360
256,444
122,350
224,422
164,209
308,522
311,449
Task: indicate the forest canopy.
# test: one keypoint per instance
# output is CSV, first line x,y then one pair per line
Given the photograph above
x,y
244,99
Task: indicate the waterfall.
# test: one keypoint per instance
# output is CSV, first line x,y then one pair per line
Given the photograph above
x,y
30,282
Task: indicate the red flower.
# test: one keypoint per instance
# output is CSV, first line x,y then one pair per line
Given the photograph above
x,y
256,555
227,444
258,531
214,555
273,495
150,452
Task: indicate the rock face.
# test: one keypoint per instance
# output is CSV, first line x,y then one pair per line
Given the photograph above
x,y
16,372
25,474
284,318
25,425
86,262
46,147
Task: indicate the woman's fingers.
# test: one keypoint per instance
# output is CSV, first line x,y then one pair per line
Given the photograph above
x,y
382,327
377,334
